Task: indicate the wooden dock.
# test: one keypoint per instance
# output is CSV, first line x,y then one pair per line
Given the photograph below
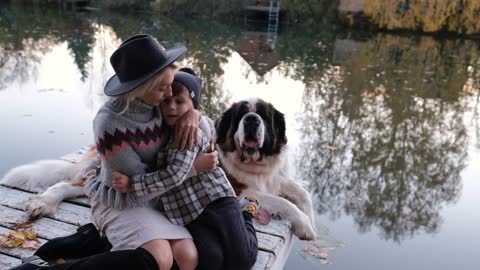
x,y
274,240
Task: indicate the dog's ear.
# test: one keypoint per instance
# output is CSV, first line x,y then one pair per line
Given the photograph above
x,y
279,124
223,124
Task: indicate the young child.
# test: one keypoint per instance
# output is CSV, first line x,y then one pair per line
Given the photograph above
x,y
205,203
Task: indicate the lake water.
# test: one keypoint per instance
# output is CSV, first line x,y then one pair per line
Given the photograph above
x,y
385,127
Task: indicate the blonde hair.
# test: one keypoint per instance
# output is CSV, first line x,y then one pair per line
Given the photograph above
x,y
149,85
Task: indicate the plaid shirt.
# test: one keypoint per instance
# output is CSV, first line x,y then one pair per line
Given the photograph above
x,y
182,200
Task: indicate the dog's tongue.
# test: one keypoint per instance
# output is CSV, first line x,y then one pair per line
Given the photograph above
x,y
251,144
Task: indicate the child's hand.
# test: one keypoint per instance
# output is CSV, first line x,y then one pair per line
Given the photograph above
x,y
206,162
120,182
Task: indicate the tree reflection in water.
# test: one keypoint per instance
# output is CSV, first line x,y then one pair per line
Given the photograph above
x,y
31,32
28,32
209,45
384,138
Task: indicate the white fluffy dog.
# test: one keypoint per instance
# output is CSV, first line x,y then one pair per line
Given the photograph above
x,y
58,179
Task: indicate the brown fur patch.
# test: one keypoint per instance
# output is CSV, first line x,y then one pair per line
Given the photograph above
x,y
237,186
89,154
228,145
76,182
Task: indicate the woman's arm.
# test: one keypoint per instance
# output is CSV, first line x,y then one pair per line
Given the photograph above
x,y
179,163
186,135
116,153
206,162
125,160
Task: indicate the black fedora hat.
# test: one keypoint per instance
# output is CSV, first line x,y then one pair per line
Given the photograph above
x,y
138,59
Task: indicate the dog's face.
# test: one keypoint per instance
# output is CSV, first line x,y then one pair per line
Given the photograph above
x,y
254,128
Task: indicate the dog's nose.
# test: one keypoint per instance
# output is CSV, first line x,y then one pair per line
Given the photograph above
x,y
252,120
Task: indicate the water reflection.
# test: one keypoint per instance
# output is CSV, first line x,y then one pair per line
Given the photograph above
x,y
384,136
209,45
27,33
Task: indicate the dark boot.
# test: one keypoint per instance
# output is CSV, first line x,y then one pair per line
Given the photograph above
x,y
85,242
133,259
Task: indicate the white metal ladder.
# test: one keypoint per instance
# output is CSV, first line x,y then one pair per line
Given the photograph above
x,y
273,21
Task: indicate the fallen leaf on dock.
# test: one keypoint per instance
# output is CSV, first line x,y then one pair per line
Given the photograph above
x,y
31,244
22,237
18,225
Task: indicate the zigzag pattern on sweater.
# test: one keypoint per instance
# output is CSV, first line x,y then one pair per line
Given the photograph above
x,y
118,138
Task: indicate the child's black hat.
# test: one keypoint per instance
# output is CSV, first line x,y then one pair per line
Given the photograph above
x,y
192,82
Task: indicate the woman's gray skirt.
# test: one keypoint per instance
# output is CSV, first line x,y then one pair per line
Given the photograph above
x,y
130,228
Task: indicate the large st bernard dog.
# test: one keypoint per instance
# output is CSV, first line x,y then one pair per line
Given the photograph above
x,y
252,149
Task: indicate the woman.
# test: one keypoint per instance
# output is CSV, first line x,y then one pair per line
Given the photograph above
x,y
126,131
127,138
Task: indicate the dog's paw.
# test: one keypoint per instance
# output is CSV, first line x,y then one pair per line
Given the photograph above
x,y
38,206
303,229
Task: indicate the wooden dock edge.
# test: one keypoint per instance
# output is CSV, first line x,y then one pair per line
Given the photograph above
x,y
275,239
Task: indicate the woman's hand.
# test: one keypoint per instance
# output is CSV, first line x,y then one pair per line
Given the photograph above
x,y
186,134
121,183
206,162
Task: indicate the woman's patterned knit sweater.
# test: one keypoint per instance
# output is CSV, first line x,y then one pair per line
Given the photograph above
x,y
127,143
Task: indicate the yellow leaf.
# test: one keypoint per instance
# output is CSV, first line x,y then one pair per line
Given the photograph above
x,y
13,243
3,239
20,238
31,235
31,244
18,235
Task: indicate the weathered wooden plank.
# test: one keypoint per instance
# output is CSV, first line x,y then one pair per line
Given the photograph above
x,y
46,228
7,262
31,191
66,212
264,260
13,198
282,255
269,243
18,252
84,201
279,228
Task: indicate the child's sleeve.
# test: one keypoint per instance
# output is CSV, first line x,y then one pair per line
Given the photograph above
x,y
179,163
207,126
